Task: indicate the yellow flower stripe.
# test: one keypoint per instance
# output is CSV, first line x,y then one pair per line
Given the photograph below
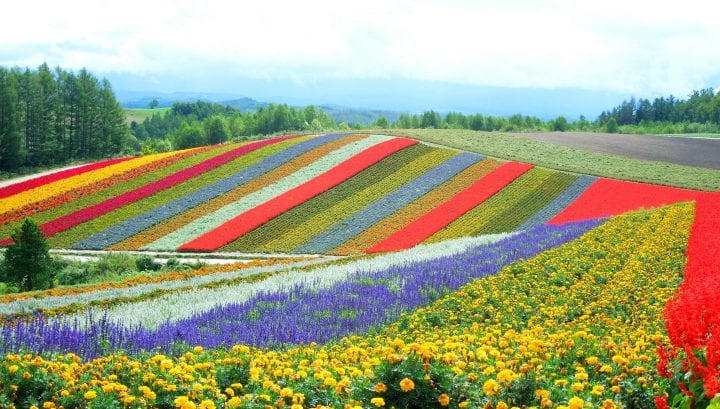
x,y
61,186
572,327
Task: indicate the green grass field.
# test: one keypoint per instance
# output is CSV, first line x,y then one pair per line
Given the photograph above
x,y
568,159
140,114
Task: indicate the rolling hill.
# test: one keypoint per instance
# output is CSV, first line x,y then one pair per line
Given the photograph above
x,y
321,194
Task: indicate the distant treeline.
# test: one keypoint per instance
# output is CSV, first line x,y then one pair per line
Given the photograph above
x,y
50,117
201,123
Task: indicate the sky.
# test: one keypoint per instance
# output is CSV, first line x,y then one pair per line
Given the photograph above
x,y
644,48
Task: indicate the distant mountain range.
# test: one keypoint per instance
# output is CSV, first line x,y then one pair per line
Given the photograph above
x,y
362,100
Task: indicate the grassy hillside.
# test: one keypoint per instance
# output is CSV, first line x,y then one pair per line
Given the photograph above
x,y
140,114
569,159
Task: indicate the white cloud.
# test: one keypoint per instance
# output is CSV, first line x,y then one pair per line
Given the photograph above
x,y
640,47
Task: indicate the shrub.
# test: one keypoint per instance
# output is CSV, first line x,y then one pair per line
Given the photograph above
x,y
27,262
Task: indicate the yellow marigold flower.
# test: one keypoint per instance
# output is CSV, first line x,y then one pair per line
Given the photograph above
x,y
407,385
593,360
379,402
464,404
34,407
286,392
577,387
13,368
380,388
581,376
330,381
490,387
27,375
506,376
575,403
207,404
48,405
166,364
546,403
234,402
501,405
296,406
615,389
90,395
198,349
444,399
598,390
606,369
608,404
561,382
229,392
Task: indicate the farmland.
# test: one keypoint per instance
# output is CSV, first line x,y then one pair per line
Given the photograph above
x,y
464,280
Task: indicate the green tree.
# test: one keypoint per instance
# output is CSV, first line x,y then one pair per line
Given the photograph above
x,y
153,104
216,129
27,262
611,126
381,122
560,124
10,142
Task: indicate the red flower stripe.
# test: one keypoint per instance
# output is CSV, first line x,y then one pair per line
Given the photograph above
x,y
259,215
442,215
54,177
57,200
91,212
610,197
692,317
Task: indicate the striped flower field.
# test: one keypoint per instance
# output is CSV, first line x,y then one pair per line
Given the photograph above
x,y
438,279
329,194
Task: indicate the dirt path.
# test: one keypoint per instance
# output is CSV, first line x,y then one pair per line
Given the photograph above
x,y
699,152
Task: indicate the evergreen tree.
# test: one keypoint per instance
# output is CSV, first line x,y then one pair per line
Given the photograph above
x,y
27,261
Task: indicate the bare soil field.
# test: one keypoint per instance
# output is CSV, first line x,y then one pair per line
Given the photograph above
x,y
698,152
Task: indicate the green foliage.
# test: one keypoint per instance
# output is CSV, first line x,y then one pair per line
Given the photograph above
x,y
560,124
27,262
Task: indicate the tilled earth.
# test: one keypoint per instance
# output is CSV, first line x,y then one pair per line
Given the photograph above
x,y
700,152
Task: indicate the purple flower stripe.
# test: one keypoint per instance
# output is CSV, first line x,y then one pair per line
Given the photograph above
x,y
143,221
301,314
563,200
364,218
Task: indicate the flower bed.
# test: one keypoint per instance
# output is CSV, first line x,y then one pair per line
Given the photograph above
x,y
316,207
160,230
558,204
450,210
353,201
75,194
389,225
143,221
361,220
214,219
257,215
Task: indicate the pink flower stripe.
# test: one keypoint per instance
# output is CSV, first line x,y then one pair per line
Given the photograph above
x,y
259,215
442,215
54,177
610,197
65,222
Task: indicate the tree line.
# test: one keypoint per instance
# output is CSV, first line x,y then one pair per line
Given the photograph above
x,y
53,116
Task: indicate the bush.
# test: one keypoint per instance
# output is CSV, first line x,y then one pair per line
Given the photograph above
x,y
71,275
147,263
27,262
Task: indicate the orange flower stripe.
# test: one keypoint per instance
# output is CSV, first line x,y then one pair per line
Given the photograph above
x,y
41,193
414,210
46,204
172,224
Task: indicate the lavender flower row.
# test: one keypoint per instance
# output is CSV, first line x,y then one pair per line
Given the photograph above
x,y
143,221
305,313
563,200
364,218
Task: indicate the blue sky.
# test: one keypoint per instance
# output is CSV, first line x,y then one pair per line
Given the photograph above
x,y
645,48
